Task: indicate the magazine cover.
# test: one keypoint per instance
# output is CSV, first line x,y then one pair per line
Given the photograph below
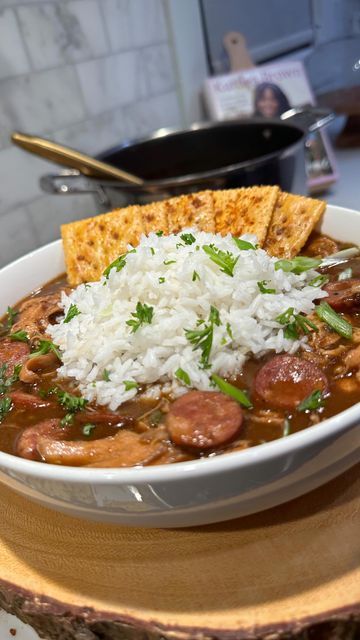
x,y
269,91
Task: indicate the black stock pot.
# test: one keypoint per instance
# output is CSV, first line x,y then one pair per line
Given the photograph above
x,y
221,155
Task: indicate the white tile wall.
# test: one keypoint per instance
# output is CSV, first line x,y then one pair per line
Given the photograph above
x,y
87,73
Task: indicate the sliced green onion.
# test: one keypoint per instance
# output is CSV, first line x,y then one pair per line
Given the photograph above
x,y
262,287
183,376
88,428
19,336
298,265
346,274
229,389
130,384
106,375
319,281
314,401
159,233
243,245
161,280
188,238
195,276
334,320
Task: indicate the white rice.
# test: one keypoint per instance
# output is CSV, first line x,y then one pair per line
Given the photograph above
x,y
98,339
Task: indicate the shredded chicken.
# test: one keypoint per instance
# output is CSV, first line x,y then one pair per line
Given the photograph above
x,y
36,313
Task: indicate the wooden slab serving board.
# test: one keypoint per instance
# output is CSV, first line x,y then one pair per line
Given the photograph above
x,y
290,572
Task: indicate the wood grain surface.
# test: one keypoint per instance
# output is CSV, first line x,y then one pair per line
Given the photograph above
x,y
269,575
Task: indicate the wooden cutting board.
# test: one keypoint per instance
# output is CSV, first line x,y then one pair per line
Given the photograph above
x,y
272,575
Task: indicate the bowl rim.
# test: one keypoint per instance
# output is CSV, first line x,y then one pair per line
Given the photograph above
x,y
261,453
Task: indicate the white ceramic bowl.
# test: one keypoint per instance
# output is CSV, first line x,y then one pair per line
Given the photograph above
x,y
187,493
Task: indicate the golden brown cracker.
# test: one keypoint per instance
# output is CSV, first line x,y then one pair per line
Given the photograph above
x,y
91,245
293,220
246,210
191,210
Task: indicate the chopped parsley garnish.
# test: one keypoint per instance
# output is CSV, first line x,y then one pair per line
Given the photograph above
x,y
118,264
67,420
10,318
224,259
345,275
180,244
72,312
229,389
88,428
243,245
334,320
70,402
5,406
202,337
19,336
263,288
188,238
319,281
159,233
314,401
166,262
142,315
161,280
229,330
295,322
298,265
130,384
195,276
183,376
45,346
152,251
106,375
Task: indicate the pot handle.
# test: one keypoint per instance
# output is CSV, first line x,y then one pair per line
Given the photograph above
x,y
309,118
72,182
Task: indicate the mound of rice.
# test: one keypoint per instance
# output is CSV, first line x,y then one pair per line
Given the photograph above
x,y
181,283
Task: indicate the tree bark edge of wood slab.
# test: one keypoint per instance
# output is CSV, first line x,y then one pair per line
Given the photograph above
x,y
55,620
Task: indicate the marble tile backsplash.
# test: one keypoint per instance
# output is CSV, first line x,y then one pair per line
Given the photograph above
x,y
88,73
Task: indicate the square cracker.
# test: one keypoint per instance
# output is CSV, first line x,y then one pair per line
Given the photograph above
x,y
293,220
191,210
91,245
246,210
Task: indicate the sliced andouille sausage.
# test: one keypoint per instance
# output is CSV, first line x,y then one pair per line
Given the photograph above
x,y
344,295
13,353
286,380
321,246
203,419
27,444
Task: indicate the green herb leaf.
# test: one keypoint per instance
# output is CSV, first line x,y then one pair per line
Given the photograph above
x,y
166,262
67,420
70,402
229,389
19,336
305,324
106,375
88,428
72,312
44,347
152,251
319,281
314,401
10,318
5,406
202,338
243,245
298,265
130,384
183,376
345,275
159,233
263,288
285,317
290,331
229,330
195,276
117,264
142,315
225,260
334,320
161,280
188,238
214,316
180,244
